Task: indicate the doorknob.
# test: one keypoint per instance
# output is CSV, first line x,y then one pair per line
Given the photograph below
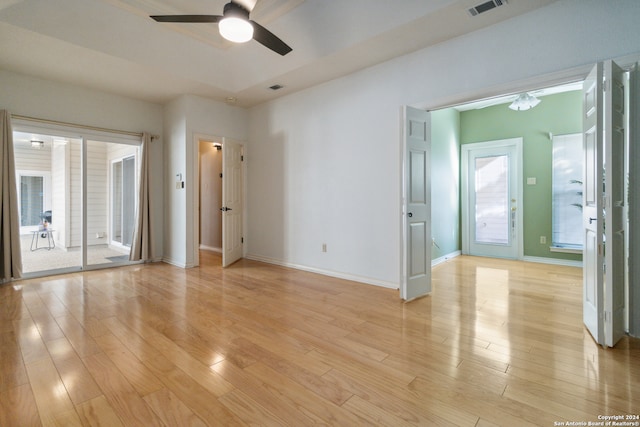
x,y
224,209
410,214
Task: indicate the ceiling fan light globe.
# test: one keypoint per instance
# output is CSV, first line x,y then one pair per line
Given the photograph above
x,y
236,30
524,102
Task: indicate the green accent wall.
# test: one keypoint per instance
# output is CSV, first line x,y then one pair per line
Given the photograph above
x,y
557,114
445,182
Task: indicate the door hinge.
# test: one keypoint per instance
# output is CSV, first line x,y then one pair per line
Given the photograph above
x,y
220,175
242,240
242,158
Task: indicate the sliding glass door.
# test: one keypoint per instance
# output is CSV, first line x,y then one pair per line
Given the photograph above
x,y
123,200
78,195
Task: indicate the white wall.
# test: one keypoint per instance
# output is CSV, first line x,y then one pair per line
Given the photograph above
x,y
325,162
175,125
28,96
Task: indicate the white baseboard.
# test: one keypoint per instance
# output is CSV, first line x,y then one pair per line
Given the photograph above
x,y
554,261
444,258
171,261
366,280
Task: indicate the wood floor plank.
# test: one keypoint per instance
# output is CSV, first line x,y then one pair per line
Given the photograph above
x,y
12,371
321,409
18,407
249,411
52,400
328,390
81,341
263,395
191,393
497,342
199,372
375,415
171,410
402,403
120,394
138,375
98,413
30,341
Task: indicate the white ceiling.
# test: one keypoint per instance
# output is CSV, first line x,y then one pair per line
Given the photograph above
x,y
113,46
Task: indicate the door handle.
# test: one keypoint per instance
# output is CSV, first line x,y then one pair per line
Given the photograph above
x,y
224,209
410,214
592,219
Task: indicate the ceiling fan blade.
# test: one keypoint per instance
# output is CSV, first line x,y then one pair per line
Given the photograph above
x,y
191,19
268,39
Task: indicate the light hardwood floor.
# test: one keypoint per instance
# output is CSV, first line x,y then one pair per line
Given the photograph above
x,y
496,343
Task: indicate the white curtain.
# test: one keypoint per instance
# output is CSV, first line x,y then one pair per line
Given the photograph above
x,y
142,245
10,257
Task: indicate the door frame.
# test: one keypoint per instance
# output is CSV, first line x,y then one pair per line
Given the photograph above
x,y
81,134
195,189
465,151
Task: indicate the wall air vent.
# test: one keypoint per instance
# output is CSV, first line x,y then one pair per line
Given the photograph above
x,y
486,6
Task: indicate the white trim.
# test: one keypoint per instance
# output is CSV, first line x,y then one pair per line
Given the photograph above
x,y
565,250
175,263
445,258
554,261
352,277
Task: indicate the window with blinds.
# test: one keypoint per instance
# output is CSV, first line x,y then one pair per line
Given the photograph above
x,y
567,192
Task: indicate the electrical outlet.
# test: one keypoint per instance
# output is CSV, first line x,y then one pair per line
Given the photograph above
x,y
543,240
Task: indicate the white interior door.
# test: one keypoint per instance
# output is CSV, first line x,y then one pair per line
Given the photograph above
x,y
592,255
603,211
416,223
491,190
615,227
232,238
634,203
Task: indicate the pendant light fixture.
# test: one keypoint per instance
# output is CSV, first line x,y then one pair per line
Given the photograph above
x,y
524,101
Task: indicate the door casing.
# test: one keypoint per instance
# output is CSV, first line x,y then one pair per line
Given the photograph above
x,y
466,150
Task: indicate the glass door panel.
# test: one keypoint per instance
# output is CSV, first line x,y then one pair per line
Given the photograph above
x,y
48,167
111,198
492,200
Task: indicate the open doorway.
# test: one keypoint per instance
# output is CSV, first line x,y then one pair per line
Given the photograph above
x,y
545,151
537,212
219,216
210,195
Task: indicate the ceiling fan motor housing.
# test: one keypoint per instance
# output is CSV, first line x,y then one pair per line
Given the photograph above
x,y
234,10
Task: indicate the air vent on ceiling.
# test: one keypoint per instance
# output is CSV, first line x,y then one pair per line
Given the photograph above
x,y
486,6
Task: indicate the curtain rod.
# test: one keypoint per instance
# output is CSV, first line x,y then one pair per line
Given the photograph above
x,y
75,125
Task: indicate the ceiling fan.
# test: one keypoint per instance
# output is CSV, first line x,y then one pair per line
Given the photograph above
x,y
234,25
